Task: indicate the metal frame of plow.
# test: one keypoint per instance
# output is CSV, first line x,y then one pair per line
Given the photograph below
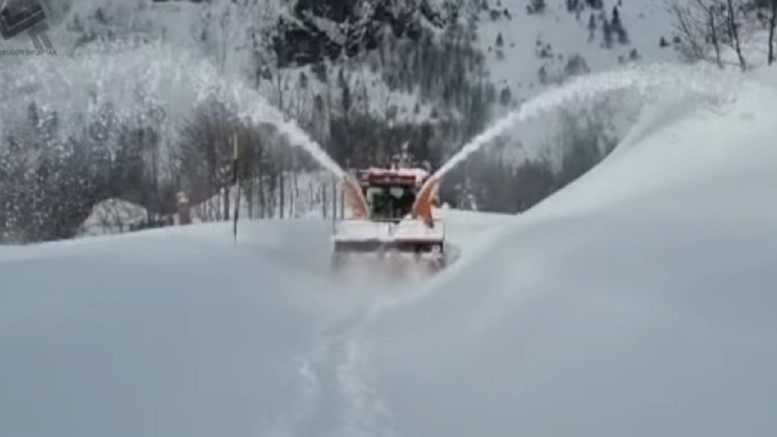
x,y
389,231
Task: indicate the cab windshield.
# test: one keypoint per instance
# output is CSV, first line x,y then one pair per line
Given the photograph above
x,y
390,202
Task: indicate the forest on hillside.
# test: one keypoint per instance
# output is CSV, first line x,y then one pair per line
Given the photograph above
x,y
366,80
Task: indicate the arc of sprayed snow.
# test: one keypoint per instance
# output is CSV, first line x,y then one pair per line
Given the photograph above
x,y
102,67
267,113
697,80
154,68
297,136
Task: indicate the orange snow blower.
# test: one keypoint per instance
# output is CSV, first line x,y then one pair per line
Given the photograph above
x,y
391,219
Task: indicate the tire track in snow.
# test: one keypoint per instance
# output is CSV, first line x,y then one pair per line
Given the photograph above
x,y
335,395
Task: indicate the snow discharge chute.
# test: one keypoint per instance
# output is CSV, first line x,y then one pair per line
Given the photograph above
x,y
355,198
422,208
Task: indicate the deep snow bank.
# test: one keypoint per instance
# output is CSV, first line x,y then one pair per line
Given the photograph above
x,y
181,332
175,332
639,301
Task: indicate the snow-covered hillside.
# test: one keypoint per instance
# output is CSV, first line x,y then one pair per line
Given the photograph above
x,y
130,106
559,42
637,301
562,43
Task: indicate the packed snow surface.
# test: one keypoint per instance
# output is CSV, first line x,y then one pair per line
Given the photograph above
x,y
638,301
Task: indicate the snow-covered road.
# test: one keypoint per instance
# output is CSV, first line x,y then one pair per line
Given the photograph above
x,y
183,332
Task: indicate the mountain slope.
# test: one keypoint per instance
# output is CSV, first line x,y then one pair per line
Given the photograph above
x,y
558,40
561,42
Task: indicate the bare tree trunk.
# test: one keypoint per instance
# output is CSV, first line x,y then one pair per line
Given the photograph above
x,y
250,197
282,190
227,192
772,25
734,31
262,200
279,85
334,199
714,38
324,204
295,182
683,17
272,192
334,202
290,189
157,198
272,199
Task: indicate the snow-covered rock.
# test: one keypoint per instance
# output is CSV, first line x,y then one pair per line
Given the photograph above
x,y
113,216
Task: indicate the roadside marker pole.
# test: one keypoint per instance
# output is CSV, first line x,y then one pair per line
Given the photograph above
x,y
236,181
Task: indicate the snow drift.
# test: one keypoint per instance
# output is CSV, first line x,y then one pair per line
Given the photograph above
x,y
639,301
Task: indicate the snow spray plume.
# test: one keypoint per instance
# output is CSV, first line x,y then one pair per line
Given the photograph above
x,y
132,78
644,81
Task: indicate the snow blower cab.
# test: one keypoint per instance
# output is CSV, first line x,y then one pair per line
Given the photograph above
x,y
391,219
390,194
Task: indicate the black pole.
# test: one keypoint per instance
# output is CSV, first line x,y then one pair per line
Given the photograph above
x,y
236,183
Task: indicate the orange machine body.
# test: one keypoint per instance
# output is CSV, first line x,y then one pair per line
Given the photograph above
x,y
425,189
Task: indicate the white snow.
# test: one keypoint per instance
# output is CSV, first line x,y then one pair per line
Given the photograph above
x,y
412,229
407,229
360,230
646,21
639,301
